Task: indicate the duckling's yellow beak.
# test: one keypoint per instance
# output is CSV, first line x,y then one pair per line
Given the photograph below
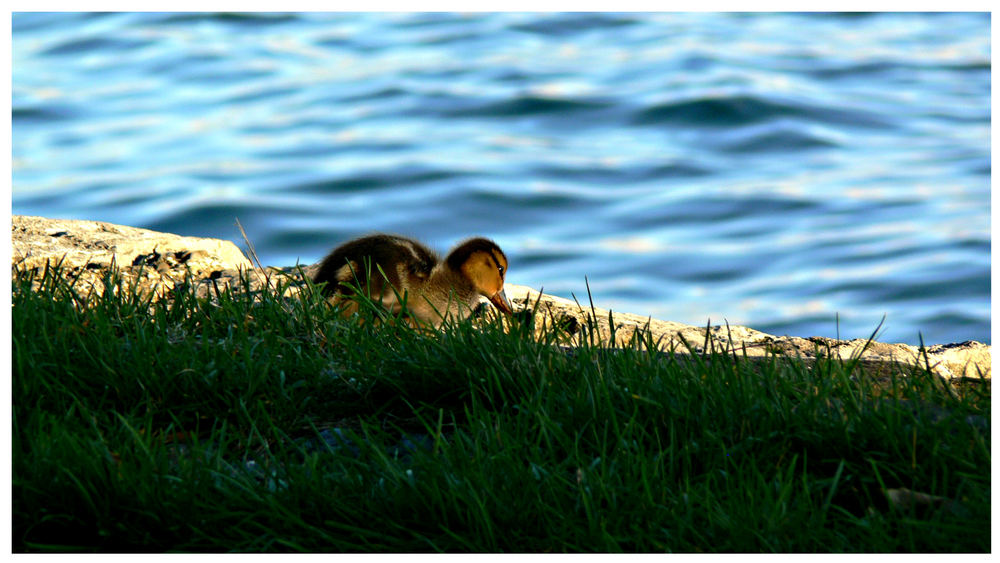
x,y
499,300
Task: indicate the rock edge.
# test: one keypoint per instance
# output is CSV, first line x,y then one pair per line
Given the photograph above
x,y
157,262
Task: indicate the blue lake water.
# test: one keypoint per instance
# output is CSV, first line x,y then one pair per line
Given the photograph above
x,y
772,170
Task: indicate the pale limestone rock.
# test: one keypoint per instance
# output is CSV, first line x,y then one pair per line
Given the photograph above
x,y
148,260
965,360
87,248
38,240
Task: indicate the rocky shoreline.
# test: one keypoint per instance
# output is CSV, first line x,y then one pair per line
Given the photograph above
x,y
158,262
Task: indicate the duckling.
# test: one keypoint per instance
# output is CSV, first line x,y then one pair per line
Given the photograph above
x,y
433,289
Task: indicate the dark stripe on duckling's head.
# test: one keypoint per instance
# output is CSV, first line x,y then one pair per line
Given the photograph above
x,y
462,252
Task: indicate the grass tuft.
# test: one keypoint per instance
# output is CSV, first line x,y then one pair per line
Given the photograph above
x,y
274,424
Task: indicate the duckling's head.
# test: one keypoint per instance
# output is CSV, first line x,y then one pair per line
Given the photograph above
x,y
481,261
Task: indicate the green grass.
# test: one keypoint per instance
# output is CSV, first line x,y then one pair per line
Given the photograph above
x,y
195,426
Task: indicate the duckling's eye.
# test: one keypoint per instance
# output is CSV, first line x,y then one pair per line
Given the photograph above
x,y
500,269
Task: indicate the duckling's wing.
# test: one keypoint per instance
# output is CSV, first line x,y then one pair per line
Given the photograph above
x,y
355,262
418,260
369,262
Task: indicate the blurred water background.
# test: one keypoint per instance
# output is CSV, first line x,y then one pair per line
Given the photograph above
x,y
772,170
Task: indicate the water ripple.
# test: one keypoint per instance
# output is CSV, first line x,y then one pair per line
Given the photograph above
x,y
403,176
738,110
527,106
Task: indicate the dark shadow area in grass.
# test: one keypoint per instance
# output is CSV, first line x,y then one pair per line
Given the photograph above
x,y
274,424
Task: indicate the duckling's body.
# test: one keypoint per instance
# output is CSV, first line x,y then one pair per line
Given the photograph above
x,y
433,289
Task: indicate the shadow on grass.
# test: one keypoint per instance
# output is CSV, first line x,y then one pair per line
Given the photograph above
x,y
276,424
